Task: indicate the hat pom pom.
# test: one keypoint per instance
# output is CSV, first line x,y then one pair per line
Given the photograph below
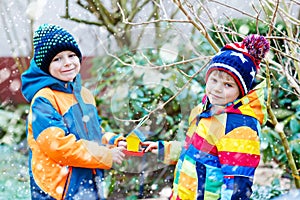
x,y
257,47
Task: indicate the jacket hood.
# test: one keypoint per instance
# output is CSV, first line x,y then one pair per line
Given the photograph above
x,y
35,79
252,104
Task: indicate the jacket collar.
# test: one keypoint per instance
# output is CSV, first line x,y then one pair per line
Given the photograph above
x,y
252,105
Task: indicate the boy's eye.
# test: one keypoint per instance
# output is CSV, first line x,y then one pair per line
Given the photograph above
x,y
228,85
56,59
72,55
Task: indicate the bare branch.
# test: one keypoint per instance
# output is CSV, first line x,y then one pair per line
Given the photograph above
x,y
200,26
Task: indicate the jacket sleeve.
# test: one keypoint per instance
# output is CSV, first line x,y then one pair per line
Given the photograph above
x,y
169,152
110,138
66,150
53,139
239,155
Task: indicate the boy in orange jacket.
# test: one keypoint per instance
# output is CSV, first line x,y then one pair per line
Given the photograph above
x,y
67,154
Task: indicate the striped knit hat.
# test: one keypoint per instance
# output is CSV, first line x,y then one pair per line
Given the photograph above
x,y
241,60
48,41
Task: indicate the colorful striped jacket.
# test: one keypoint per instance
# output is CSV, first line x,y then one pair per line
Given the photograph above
x,y
67,153
221,151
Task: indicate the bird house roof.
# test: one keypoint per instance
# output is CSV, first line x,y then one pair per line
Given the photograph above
x,y
139,134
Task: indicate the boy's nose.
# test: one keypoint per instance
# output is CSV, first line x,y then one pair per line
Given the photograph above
x,y
218,87
67,62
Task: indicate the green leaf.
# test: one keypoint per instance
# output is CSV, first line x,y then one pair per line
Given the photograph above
x,y
296,104
283,113
170,120
285,101
297,115
133,197
157,90
294,125
295,146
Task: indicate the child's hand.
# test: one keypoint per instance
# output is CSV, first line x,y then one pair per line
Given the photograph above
x,y
151,146
122,143
118,155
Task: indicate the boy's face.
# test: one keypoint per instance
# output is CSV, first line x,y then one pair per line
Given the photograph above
x,y
221,88
65,66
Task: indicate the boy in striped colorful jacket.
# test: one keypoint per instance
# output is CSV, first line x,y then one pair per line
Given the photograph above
x,y
222,149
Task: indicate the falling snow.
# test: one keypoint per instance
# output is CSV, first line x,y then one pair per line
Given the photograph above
x,y
17,17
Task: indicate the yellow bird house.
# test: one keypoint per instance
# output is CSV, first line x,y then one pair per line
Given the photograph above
x,y
134,139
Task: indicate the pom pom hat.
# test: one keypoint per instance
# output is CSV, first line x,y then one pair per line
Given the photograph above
x,y
48,41
241,60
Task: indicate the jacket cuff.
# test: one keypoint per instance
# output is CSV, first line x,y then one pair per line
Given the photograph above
x,y
115,139
161,151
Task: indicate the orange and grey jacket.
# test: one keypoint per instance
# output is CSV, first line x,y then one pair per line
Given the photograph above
x,y
67,153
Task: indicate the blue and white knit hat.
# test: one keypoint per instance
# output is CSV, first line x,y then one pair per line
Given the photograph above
x,y
241,60
48,41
